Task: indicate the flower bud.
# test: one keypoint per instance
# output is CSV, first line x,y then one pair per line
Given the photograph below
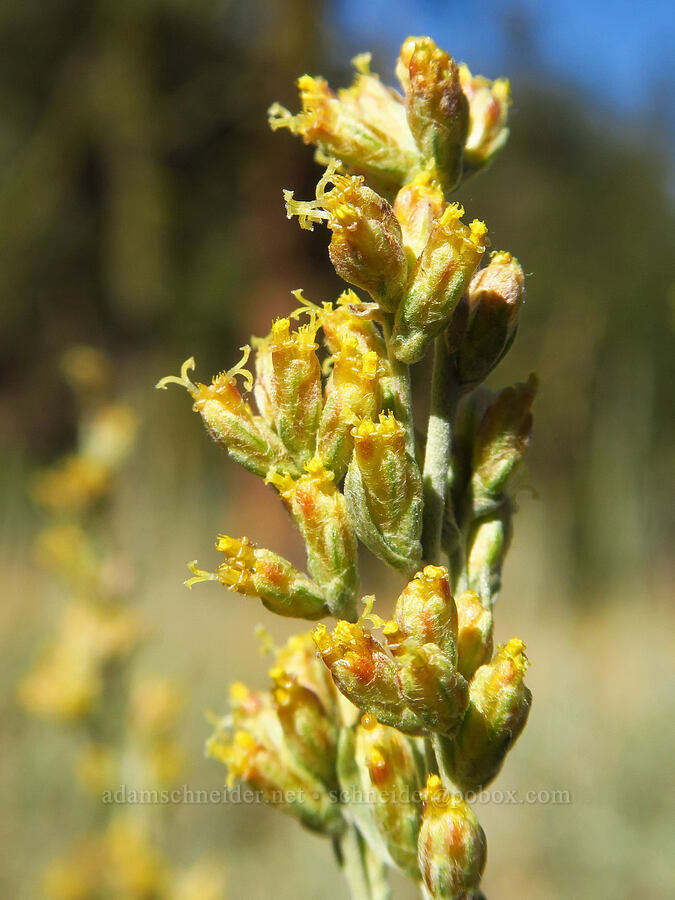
x,y
257,753
295,387
352,391
501,440
309,733
425,612
298,657
488,541
390,771
439,279
346,321
365,246
495,296
499,704
417,206
433,688
257,572
474,633
364,126
365,673
452,848
320,512
489,103
437,110
383,492
230,421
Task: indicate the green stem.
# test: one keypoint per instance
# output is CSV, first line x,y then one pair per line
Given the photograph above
x,y
444,397
439,753
365,874
400,378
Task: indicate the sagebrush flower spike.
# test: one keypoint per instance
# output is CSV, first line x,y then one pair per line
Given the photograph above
x,y
373,729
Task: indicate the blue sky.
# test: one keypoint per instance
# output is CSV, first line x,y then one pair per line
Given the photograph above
x,y
619,54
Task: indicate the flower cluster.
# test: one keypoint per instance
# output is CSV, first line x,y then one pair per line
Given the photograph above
x,y
417,709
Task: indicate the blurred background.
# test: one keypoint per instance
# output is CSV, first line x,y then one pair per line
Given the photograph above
x,y
141,212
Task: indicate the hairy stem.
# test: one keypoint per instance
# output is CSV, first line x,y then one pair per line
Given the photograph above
x,y
444,397
400,376
365,874
439,753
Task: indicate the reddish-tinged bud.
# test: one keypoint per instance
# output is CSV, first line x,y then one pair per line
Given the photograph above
x,y
257,572
495,296
365,673
365,246
489,103
437,109
230,421
452,848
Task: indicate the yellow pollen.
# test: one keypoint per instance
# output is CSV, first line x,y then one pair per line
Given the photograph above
x,y
369,722
452,214
433,573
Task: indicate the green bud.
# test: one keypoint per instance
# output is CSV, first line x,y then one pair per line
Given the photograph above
x,y
495,296
310,734
488,541
352,391
439,278
229,419
501,441
257,572
365,673
474,633
433,688
365,248
252,745
417,206
425,613
499,704
451,848
391,768
383,491
364,126
437,109
489,103
320,512
295,387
